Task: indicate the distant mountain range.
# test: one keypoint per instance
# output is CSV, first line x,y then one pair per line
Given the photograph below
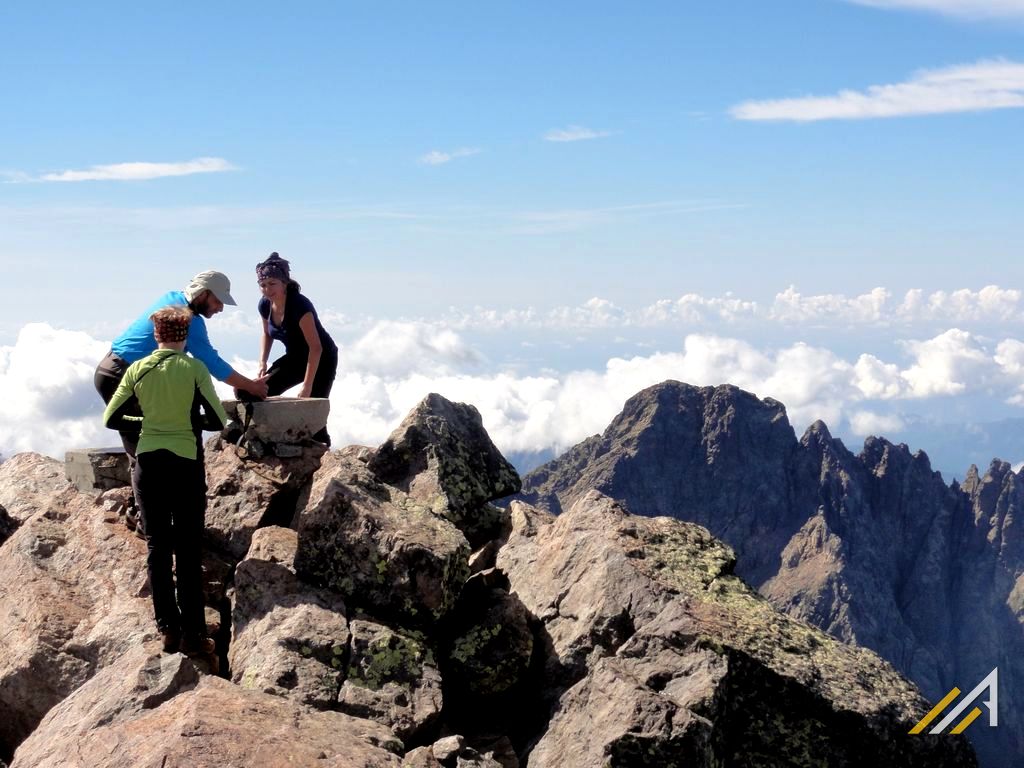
x,y
875,548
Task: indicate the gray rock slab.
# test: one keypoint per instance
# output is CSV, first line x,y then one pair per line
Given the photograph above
x,y
97,469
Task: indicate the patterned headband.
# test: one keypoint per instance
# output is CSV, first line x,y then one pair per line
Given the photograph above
x,y
171,325
273,267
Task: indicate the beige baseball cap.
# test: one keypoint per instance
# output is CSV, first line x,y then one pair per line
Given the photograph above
x,y
211,280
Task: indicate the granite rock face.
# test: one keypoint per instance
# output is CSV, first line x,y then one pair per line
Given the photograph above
x,y
443,459
155,712
873,548
381,550
678,662
288,638
245,494
72,598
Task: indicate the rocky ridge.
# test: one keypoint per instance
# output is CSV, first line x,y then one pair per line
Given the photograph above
x,y
873,548
374,608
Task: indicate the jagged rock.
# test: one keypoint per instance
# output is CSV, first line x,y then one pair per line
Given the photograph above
x,y
492,642
142,679
874,548
365,540
30,483
97,469
392,678
245,494
71,595
214,724
672,659
443,459
288,638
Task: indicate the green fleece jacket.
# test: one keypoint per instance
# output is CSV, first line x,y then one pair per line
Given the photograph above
x,y
171,388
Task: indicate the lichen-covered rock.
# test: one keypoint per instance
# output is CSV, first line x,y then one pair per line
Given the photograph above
x,y
72,599
672,660
492,642
217,724
357,536
288,638
392,678
244,494
443,458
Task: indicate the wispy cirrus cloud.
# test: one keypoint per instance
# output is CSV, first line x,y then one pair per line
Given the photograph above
x,y
972,9
984,85
133,171
437,157
574,133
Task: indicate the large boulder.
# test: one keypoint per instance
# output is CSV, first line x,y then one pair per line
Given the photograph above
x,y
72,600
365,539
392,677
150,711
670,659
443,459
245,494
288,638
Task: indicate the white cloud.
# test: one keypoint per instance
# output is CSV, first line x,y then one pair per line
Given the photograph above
x,y
47,399
876,308
142,171
864,423
574,133
947,364
48,404
973,9
984,85
402,348
436,157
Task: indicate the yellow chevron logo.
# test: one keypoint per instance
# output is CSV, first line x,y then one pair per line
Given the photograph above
x,y
990,684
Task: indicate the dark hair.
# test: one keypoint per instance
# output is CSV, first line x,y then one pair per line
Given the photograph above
x,y
293,286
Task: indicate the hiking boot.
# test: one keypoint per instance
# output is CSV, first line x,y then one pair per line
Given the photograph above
x,y
198,646
171,639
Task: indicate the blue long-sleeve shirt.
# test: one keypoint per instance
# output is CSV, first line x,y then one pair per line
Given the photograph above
x,y
138,341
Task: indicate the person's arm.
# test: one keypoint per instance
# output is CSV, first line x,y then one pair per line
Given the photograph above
x,y
266,342
199,347
214,416
308,326
115,416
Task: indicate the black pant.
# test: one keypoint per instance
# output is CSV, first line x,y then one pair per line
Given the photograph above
x,y
290,369
108,375
171,493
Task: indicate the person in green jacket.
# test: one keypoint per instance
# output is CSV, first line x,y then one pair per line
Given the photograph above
x,y
169,477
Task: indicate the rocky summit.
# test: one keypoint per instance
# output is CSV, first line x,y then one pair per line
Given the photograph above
x,y
373,607
874,548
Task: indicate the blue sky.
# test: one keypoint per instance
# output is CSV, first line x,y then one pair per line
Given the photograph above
x,y
422,162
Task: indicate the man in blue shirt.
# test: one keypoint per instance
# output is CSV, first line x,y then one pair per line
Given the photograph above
x,y
205,295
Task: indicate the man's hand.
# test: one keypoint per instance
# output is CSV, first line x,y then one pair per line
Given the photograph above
x,y
257,387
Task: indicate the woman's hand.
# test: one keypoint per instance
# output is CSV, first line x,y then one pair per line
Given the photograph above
x,y
306,391
262,371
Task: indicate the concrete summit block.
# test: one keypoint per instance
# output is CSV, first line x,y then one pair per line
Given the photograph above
x,y
280,419
97,469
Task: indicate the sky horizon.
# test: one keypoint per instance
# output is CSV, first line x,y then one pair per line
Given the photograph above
x,y
539,210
